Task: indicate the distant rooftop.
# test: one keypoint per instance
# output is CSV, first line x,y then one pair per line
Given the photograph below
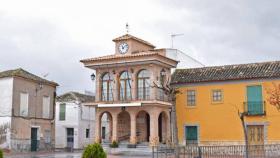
x,y
228,72
25,74
75,96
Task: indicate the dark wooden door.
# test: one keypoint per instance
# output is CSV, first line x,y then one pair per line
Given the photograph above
x,y
34,141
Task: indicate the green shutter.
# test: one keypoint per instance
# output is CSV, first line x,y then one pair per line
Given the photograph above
x,y
62,112
254,100
191,133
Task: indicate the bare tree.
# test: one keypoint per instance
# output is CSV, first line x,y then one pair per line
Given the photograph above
x,y
274,96
171,93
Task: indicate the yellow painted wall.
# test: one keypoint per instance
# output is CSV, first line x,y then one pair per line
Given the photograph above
x,y
219,122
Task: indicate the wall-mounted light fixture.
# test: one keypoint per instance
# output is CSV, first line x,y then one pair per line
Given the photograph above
x,y
92,76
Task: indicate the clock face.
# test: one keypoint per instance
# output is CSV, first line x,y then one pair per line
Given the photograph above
x,y
123,48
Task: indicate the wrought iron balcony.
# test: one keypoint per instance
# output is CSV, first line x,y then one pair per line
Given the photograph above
x,y
254,108
133,95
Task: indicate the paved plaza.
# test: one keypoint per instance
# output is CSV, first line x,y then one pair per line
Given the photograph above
x,y
64,155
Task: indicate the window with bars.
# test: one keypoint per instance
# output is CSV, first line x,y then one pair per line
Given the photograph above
x,y
217,95
191,97
191,134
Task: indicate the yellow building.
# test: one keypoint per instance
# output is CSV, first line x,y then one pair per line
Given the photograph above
x,y
210,98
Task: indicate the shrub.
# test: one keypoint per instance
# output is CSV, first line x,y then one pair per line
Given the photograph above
x,y
1,153
114,144
94,151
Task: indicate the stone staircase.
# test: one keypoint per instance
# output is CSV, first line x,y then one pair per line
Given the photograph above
x,y
141,149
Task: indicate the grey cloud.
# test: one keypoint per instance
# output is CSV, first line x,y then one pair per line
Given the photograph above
x,y
39,47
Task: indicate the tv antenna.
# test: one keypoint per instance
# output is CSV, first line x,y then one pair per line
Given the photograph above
x,y
173,36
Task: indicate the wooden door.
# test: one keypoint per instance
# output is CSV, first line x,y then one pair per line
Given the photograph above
x,y
255,135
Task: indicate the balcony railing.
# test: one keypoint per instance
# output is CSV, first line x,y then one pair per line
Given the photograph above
x,y
253,108
152,94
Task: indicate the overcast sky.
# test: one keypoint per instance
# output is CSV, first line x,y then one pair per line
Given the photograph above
x,y
51,36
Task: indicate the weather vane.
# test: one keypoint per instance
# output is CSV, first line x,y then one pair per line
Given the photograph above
x,y
127,28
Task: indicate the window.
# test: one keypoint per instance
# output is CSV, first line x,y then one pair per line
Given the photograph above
x,y
23,104
125,86
46,106
106,88
143,85
255,104
62,112
191,134
191,98
87,133
217,95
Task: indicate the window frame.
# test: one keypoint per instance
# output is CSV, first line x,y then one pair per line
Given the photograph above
x,y
24,107
213,96
108,95
145,89
192,99
60,113
126,89
87,133
46,115
196,142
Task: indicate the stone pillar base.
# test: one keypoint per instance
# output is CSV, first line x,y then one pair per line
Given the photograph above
x,y
133,140
154,141
97,140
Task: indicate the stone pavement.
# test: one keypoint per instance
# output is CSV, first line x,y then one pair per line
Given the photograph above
x,y
64,155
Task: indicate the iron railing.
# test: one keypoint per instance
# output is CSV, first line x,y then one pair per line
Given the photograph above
x,y
152,94
252,108
233,151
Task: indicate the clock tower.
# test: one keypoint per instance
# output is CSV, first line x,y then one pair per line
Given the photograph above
x,y
137,111
128,44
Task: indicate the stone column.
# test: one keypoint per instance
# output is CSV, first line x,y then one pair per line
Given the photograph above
x,y
97,127
168,131
115,127
154,138
134,85
133,136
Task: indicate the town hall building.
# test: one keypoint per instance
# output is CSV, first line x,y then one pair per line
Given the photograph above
x,y
126,92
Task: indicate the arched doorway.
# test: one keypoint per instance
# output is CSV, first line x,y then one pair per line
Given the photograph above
x,y
106,127
143,126
162,127
123,126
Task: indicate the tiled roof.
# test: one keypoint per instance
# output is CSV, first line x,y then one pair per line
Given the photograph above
x,y
227,72
128,36
25,74
116,56
75,96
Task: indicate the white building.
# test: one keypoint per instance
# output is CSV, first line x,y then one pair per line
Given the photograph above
x,y
74,122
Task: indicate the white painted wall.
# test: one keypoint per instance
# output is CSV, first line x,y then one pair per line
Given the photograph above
x,y
185,61
6,98
78,117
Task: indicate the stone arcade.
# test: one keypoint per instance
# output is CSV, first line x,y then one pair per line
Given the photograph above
x,y
137,111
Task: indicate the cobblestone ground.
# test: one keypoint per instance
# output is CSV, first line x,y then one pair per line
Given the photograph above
x,y
64,155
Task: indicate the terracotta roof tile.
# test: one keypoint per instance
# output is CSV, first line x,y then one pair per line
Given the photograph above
x,y
128,36
25,74
75,96
227,72
116,56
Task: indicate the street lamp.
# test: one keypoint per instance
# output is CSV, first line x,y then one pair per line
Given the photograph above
x,y
92,76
